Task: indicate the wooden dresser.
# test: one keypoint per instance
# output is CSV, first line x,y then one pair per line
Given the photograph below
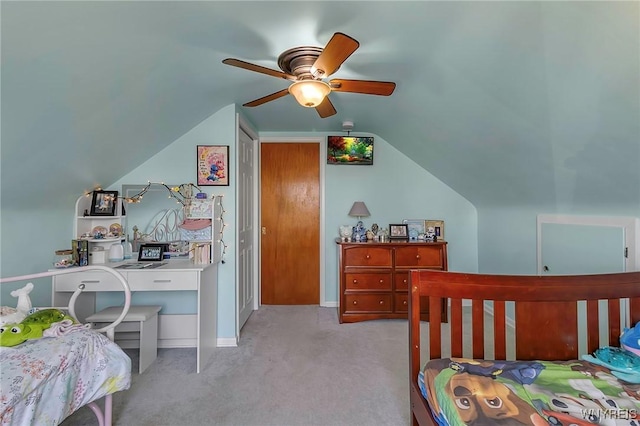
x,y
374,277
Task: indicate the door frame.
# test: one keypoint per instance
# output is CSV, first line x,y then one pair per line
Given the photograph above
x,y
628,224
323,155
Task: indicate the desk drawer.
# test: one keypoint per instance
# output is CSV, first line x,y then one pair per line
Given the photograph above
x,y
162,280
93,281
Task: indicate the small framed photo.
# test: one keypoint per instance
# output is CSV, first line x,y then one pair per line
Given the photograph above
x,y
151,252
213,165
399,231
437,228
416,228
103,203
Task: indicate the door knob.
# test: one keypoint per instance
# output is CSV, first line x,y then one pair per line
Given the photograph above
x,y
264,230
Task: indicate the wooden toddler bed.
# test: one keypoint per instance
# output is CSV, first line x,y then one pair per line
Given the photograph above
x,y
536,320
46,379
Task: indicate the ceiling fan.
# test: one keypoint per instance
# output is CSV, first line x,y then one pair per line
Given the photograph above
x,y
306,66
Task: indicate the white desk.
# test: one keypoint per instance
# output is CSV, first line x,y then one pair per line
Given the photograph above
x,y
176,275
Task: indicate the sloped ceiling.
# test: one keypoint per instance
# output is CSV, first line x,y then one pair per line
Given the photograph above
x,y
509,103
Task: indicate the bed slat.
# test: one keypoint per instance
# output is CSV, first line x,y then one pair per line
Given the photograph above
x,y
593,313
477,326
456,324
499,330
614,321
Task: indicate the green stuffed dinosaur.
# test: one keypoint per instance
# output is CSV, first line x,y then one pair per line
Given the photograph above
x,y
31,327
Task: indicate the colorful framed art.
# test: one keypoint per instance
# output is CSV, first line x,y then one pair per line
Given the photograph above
x,y
212,165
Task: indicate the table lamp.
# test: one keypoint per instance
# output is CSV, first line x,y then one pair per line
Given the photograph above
x,y
359,210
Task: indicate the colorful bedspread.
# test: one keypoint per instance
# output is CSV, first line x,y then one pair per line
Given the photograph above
x,y
43,381
466,392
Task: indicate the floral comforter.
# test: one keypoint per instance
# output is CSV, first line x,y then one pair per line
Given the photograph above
x,y
466,392
43,381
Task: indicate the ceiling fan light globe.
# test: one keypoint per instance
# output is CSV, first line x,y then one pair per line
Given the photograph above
x,y
309,93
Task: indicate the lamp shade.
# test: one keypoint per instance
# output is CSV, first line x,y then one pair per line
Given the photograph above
x,y
359,209
309,93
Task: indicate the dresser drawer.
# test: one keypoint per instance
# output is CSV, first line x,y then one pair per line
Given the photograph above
x,y
367,303
162,280
368,256
420,256
368,281
92,280
402,281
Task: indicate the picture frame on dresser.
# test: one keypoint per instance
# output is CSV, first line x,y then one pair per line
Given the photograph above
x,y
416,228
398,231
438,228
103,203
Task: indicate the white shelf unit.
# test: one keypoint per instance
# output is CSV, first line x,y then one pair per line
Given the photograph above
x,y
210,208
85,223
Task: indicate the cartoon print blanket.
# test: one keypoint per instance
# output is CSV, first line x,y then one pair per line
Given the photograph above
x,y
477,392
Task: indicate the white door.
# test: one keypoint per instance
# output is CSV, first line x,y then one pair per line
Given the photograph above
x,y
582,249
246,228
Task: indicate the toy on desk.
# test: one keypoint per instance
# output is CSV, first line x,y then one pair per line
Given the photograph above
x,y
17,314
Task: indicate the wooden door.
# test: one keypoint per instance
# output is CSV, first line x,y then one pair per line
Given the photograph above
x,y
290,228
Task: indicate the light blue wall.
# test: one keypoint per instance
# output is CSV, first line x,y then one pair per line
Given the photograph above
x,y
507,234
176,164
393,188
29,239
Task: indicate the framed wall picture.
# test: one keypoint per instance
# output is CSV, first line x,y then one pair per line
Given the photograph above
x,y
151,252
103,203
438,228
399,231
416,228
213,165
355,150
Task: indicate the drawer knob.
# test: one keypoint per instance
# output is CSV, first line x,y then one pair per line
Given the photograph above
x,y
381,281
355,302
417,256
382,302
355,281
368,257
404,281
404,302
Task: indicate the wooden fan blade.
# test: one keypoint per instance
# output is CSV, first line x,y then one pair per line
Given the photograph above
x,y
339,48
382,88
326,108
257,68
268,98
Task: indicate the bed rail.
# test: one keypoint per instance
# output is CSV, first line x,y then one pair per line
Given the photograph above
x,y
109,328
548,317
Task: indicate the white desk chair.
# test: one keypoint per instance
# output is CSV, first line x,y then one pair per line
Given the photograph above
x,y
138,329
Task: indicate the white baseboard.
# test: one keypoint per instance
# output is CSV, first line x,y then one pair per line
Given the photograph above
x,y
227,342
330,305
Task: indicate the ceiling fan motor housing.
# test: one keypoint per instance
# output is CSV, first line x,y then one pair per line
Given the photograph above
x,y
298,61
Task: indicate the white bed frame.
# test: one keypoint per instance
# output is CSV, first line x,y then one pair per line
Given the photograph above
x,y
104,415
